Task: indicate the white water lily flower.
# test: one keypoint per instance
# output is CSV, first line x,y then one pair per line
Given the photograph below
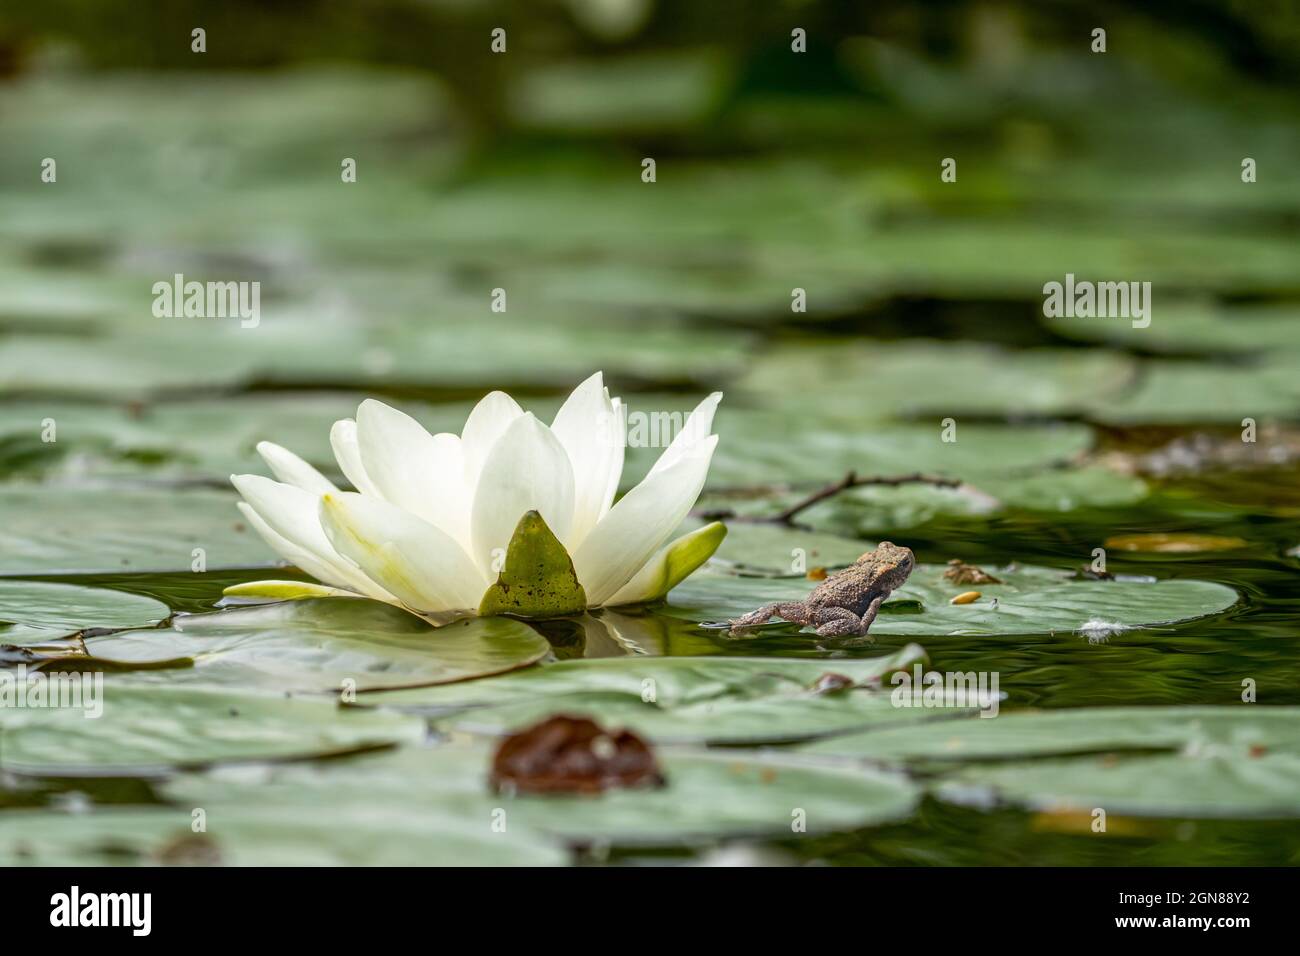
x,y
435,517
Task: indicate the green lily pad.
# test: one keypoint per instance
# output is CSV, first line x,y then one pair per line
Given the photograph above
x,y
679,699
875,509
1032,600
1231,785
52,530
1200,327
1201,392
764,548
475,349
146,729
315,833
762,448
324,645
1090,730
32,612
537,579
1238,761
707,796
913,379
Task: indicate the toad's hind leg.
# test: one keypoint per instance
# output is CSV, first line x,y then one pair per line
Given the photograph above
x,y
841,622
795,612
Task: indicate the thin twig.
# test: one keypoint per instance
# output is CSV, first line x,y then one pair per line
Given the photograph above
x,y
851,480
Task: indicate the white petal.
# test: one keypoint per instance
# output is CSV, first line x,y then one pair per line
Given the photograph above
x,y
290,514
619,411
486,423
421,565
641,522
292,470
343,439
418,472
698,427
527,470
588,427
298,557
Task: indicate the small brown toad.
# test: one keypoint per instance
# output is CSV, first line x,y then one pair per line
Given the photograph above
x,y
847,602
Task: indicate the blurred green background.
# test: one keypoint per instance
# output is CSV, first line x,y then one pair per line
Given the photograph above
x,y
521,170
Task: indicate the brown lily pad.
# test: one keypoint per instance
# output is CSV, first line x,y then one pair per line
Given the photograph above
x,y
566,755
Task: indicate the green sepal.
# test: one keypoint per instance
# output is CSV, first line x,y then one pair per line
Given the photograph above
x,y
284,590
538,579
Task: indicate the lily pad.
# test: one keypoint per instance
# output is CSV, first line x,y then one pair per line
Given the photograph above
x,y
680,699
912,379
324,645
1202,392
1031,600
51,530
473,347
315,833
1232,785
1239,761
707,796
1195,327
765,548
873,510
32,612
537,579
1090,730
145,730
764,448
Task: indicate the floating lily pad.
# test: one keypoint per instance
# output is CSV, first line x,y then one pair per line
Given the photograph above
x,y
32,612
1194,327
1239,761
873,510
1232,785
878,380
473,347
765,548
1201,392
1032,600
707,796
680,699
763,448
50,529
202,440
314,833
147,729
325,645
1090,730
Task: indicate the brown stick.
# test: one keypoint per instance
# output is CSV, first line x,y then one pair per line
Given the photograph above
x,y
851,480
